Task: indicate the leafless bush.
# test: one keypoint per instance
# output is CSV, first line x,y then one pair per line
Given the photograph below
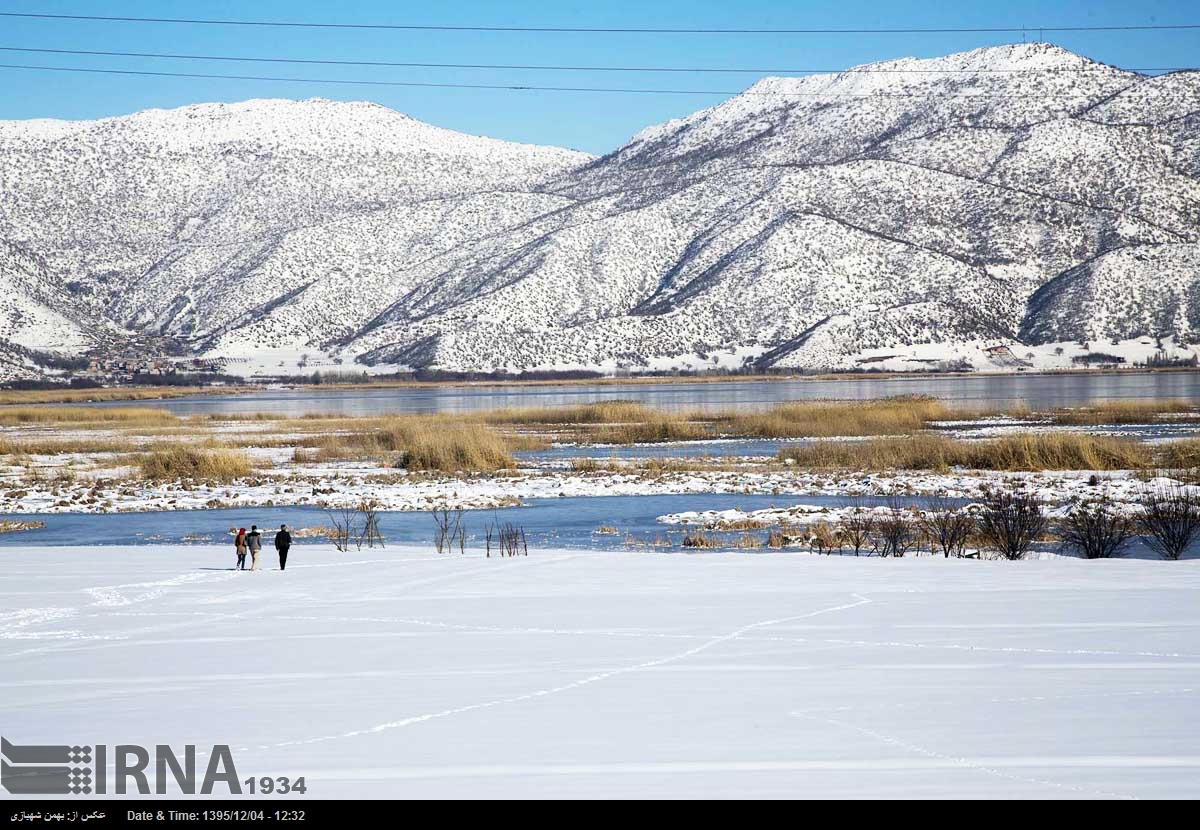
x,y
343,527
1011,522
449,529
857,529
1170,518
356,525
1096,530
947,527
896,532
510,539
368,533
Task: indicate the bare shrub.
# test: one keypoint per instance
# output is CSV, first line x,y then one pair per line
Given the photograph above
x,y
1010,523
1170,518
1096,530
449,529
776,539
510,539
896,532
343,526
857,529
947,526
369,533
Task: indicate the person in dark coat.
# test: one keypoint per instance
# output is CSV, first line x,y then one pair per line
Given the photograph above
x,y
283,541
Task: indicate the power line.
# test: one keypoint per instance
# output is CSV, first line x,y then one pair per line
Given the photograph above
x,y
602,30
526,87
569,68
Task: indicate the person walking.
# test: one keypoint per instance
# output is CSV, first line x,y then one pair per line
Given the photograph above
x,y
239,545
283,541
254,542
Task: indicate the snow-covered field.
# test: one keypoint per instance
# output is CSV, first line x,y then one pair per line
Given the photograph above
x,y
400,673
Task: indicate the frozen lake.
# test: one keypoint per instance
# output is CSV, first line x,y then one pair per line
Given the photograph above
x,y
566,522
642,675
1037,391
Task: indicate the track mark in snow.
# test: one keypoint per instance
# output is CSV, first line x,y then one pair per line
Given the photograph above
x,y
926,703
989,769
566,687
1007,649
114,596
16,625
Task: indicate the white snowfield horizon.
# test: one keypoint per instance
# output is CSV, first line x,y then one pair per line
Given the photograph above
x,y
399,673
912,214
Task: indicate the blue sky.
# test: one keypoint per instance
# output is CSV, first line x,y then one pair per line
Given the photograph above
x,y
594,122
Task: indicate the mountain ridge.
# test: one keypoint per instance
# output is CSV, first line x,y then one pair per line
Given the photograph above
x,y
807,222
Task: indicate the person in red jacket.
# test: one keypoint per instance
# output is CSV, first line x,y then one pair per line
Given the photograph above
x,y
239,545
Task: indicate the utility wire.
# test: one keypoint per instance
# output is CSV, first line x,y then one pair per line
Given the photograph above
x,y
602,30
525,87
548,68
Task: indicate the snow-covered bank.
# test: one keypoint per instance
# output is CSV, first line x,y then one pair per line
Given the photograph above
x,y
400,673
400,492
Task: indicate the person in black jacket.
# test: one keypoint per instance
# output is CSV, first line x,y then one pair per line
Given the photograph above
x,y
283,541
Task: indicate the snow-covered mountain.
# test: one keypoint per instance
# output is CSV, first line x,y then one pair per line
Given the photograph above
x,y
1018,193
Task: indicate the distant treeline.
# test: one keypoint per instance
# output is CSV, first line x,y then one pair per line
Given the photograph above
x,y
38,385
185,379
181,379
341,378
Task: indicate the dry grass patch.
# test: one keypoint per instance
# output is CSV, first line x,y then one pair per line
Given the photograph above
x,y
607,422
82,416
657,428
600,412
823,419
151,393
701,540
1180,455
1121,412
1044,451
65,446
417,442
447,446
181,461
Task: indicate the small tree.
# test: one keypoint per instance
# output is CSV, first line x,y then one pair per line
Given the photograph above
x,y
1096,530
947,526
1011,522
1170,518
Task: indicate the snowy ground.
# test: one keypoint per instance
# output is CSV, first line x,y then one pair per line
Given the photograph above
x,y
399,673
